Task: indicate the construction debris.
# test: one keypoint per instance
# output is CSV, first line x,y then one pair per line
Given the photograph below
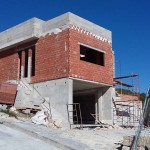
x,y
58,123
40,118
19,114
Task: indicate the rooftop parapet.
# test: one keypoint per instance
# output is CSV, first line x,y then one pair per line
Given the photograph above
x,y
34,28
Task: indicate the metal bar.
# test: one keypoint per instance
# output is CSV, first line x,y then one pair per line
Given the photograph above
x,y
135,140
39,95
68,115
130,76
77,111
80,116
123,84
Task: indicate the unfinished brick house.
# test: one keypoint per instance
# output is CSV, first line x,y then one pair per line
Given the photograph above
x,y
65,60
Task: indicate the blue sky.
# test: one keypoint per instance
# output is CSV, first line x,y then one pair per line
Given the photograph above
x,y
129,21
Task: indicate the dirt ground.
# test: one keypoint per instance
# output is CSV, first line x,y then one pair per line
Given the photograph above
x,y
99,138
96,138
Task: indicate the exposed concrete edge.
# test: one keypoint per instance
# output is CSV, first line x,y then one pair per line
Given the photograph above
x,y
21,33
94,48
90,81
41,137
34,28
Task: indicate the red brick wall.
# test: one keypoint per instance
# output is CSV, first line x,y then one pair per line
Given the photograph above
x,y
85,70
58,56
8,65
51,57
7,93
9,62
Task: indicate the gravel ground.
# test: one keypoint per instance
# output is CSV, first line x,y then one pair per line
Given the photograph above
x,y
99,138
16,140
92,139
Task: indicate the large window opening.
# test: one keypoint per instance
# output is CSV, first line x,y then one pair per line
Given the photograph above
x,y
92,55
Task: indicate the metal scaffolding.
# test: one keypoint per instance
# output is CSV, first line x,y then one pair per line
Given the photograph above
x,y
127,113
127,107
74,115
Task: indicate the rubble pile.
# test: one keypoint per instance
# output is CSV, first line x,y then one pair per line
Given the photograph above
x,y
42,118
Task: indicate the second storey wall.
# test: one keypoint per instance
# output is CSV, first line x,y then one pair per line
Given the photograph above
x,y
57,56
86,70
51,57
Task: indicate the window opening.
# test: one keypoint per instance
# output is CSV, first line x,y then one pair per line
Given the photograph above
x,y
19,67
33,62
26,63
91,55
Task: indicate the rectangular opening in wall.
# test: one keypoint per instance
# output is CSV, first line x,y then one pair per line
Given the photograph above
x,y
26,63
87,106
33,61
92,55
19,64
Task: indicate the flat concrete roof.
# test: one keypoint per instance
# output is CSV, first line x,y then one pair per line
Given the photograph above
x,y
34,28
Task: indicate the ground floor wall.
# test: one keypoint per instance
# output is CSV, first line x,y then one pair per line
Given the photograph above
x,y
56,94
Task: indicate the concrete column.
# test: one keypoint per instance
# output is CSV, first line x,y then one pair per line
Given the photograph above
x,y
22,64
105,105
100,111
70,91
29,69
70,100
29,64
96,106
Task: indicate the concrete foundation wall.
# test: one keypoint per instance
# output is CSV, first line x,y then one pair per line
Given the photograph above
x,y
56,92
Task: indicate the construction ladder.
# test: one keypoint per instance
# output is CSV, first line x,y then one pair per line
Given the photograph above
x,y
74,115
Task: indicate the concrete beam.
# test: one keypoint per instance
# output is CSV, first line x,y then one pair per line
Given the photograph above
x,y
24,32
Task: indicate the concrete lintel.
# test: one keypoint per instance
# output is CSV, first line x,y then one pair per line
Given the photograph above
x,y
97,49
89,81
